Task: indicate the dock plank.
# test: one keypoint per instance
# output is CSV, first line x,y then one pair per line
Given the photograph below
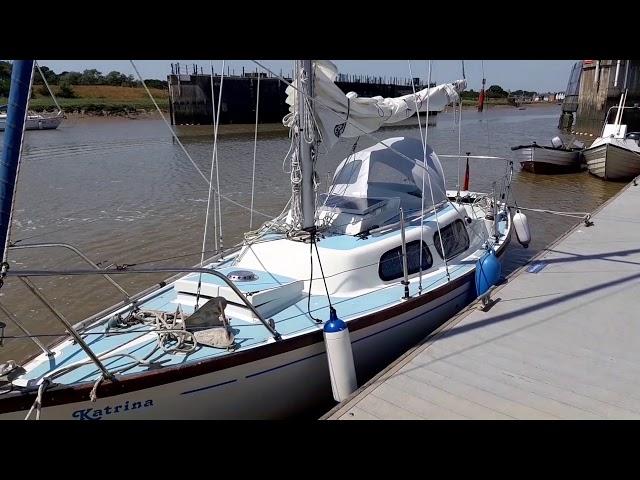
x,y
562,343
356,413
381,408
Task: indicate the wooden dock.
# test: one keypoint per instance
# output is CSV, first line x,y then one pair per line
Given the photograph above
x,y
562,340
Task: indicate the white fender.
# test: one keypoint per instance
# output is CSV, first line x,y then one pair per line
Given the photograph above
x,y
522,228
340,357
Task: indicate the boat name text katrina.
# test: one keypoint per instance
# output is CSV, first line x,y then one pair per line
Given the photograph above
x,y
98,413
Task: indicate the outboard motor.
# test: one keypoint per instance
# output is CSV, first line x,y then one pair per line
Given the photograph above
x,y
557,142
633,136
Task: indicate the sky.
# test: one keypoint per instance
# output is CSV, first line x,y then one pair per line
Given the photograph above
x,y
533,75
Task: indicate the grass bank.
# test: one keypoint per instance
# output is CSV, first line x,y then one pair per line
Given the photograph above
x,y
100,100
487,101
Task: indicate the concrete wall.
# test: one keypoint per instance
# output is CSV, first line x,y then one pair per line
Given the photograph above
x,y
598,93
190,98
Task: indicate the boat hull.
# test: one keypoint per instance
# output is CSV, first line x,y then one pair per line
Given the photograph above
x,y
537,159
280,379
611,162
44,123
278,386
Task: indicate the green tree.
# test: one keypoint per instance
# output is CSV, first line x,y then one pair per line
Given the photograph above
x,y
49,74
5,69
115,78
4,87
469,95
91,77
72,78
496,91
152,83
65,90
132,82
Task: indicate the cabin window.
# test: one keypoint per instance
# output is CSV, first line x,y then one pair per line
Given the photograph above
x,y
391,262
454,238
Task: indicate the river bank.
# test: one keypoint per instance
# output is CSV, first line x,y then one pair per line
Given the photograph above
x,y
502,103
99,100
134,102
135,111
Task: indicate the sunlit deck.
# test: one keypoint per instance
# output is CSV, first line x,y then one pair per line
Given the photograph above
x,y
562,340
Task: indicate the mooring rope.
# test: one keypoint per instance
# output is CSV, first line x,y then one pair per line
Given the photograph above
x,y
581,215
37,404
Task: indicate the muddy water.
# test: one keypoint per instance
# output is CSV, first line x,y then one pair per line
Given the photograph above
x,y
123,192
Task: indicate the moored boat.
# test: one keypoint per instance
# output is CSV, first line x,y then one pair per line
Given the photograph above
x,y
548,159
36,121
241,335
615,154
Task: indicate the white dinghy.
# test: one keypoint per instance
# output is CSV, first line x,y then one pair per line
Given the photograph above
x,y
556,158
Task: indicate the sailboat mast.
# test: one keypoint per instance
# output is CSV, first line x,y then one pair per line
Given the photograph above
x,y
21,79
307,142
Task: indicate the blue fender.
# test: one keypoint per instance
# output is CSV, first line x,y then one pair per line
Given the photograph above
x,y
488,270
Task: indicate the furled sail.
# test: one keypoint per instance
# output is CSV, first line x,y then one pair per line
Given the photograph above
x,y
339,115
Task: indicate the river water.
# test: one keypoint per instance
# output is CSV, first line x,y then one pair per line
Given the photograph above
x,y
123,191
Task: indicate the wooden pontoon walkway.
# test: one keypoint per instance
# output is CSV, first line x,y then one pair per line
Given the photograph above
x,y
561,342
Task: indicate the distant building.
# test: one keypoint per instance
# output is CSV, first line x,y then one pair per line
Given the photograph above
x,y
546,97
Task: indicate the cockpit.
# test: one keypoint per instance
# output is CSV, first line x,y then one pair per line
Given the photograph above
x,y
370,186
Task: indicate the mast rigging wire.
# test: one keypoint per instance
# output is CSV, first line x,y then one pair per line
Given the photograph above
x,y
195,165
44,79
213,162
255,146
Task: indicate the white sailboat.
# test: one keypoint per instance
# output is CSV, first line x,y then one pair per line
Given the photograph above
x,y
615,154
241,336
37,121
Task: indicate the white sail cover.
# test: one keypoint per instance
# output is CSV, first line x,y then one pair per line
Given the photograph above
x,y
333,108
379,172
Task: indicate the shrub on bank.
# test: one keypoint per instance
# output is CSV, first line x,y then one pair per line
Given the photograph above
x,y
66,91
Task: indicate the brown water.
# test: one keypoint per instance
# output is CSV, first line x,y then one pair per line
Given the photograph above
x,y
123,192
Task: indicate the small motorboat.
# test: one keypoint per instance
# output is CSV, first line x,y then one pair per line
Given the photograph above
x,y
615,155
556,158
